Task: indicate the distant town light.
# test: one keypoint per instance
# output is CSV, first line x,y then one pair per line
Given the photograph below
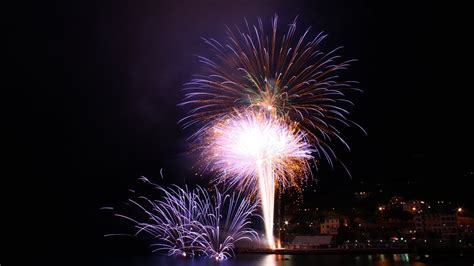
x,y
286,222
459,209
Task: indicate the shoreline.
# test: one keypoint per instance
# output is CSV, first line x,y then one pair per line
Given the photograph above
x,y
330,251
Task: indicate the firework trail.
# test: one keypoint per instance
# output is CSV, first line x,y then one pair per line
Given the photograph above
x,y
195,223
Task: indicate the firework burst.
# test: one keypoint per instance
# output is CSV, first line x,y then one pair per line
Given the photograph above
x,y
194,223
241,143
288,76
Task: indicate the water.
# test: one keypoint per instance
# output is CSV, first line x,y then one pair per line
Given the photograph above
x,y
292,260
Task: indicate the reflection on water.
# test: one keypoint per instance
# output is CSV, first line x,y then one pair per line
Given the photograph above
x,y
292,260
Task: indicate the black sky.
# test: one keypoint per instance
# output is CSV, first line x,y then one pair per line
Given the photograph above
x,y
95,88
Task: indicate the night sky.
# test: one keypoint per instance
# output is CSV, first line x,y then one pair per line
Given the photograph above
x,y
92,88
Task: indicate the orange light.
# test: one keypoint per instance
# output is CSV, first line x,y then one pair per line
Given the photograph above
x,y
459,209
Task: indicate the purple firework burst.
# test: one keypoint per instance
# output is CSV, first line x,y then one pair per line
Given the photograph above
x,y
194,222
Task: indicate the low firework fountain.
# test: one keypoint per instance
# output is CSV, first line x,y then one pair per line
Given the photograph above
x,y
253,148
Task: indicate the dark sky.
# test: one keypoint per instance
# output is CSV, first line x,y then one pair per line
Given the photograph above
x,y
95,88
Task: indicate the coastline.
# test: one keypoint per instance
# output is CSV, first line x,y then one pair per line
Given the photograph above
x,y
327,251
